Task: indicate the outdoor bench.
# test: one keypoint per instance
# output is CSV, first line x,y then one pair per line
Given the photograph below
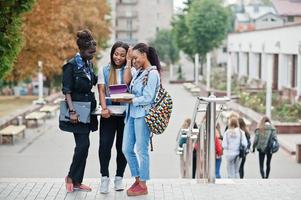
x,y
11,132
49,109
35,117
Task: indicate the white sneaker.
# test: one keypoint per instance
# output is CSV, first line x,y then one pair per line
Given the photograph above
x,y
104,185
118,183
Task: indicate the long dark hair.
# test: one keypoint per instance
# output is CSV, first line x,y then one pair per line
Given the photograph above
x,y
151,54
113,75
243,126
114,47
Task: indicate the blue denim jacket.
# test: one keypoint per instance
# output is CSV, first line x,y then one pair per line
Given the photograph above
x,y
144,94
106,74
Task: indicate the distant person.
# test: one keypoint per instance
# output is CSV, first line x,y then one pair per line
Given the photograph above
x,y
232,139
110,123
243,127
180,139
264,131
218,151
232,114
78,80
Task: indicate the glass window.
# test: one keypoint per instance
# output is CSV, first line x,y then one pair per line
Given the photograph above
x,y
290,19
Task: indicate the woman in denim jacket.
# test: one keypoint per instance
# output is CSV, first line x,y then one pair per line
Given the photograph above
x,y
110,123
136,131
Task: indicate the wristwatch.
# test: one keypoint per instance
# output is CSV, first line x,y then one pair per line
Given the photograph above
x,y
72,111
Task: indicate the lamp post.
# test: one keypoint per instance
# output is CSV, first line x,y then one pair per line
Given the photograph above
x,y
40,85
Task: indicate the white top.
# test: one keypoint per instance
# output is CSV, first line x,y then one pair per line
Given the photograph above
x,y
101,79
231,141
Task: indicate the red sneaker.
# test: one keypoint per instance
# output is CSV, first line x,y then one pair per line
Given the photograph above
x,y
137,190
134,185
82,187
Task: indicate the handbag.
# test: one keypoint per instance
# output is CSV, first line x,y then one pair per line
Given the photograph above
x,y
273,145
83,109
242,149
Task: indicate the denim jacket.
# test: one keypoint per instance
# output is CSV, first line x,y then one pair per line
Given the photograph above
x,y
144,94
106,74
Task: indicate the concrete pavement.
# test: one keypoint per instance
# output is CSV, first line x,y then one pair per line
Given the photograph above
x,y
167,189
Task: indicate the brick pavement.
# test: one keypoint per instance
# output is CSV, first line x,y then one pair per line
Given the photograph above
x,y
159,189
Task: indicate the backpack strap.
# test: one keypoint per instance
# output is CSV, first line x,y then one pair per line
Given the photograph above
x,y
145,79
151,142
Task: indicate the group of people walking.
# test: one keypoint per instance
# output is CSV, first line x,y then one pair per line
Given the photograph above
x,y
127,66
236,144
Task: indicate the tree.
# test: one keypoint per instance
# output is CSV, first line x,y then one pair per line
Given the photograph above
x,y
180,31
166,47
10,34
50,34
181,34
208,23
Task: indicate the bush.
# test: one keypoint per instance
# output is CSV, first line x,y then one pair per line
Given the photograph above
x,y
287,112
281,111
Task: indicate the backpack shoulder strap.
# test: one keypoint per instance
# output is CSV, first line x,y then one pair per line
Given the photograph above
x,y
146,76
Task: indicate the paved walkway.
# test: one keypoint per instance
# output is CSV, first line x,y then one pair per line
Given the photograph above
x,y
46,151
159,189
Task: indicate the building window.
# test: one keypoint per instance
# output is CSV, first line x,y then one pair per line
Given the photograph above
x,y
290,19
248,64
259,66
129,24
116,22
294,71
130,35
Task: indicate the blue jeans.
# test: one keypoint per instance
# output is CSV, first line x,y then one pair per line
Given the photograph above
x,y
218,162
136,132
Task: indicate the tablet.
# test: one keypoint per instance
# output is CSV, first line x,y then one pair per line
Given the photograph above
x,y
118,89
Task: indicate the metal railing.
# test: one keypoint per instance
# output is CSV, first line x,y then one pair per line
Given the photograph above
x,y
203,138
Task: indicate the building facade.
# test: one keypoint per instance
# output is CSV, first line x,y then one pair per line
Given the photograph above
x,y
271,54
288,10
139,21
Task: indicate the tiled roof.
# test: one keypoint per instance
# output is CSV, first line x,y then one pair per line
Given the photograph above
x,y
288,7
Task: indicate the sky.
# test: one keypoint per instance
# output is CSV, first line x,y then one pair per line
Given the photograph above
x,y
178,4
